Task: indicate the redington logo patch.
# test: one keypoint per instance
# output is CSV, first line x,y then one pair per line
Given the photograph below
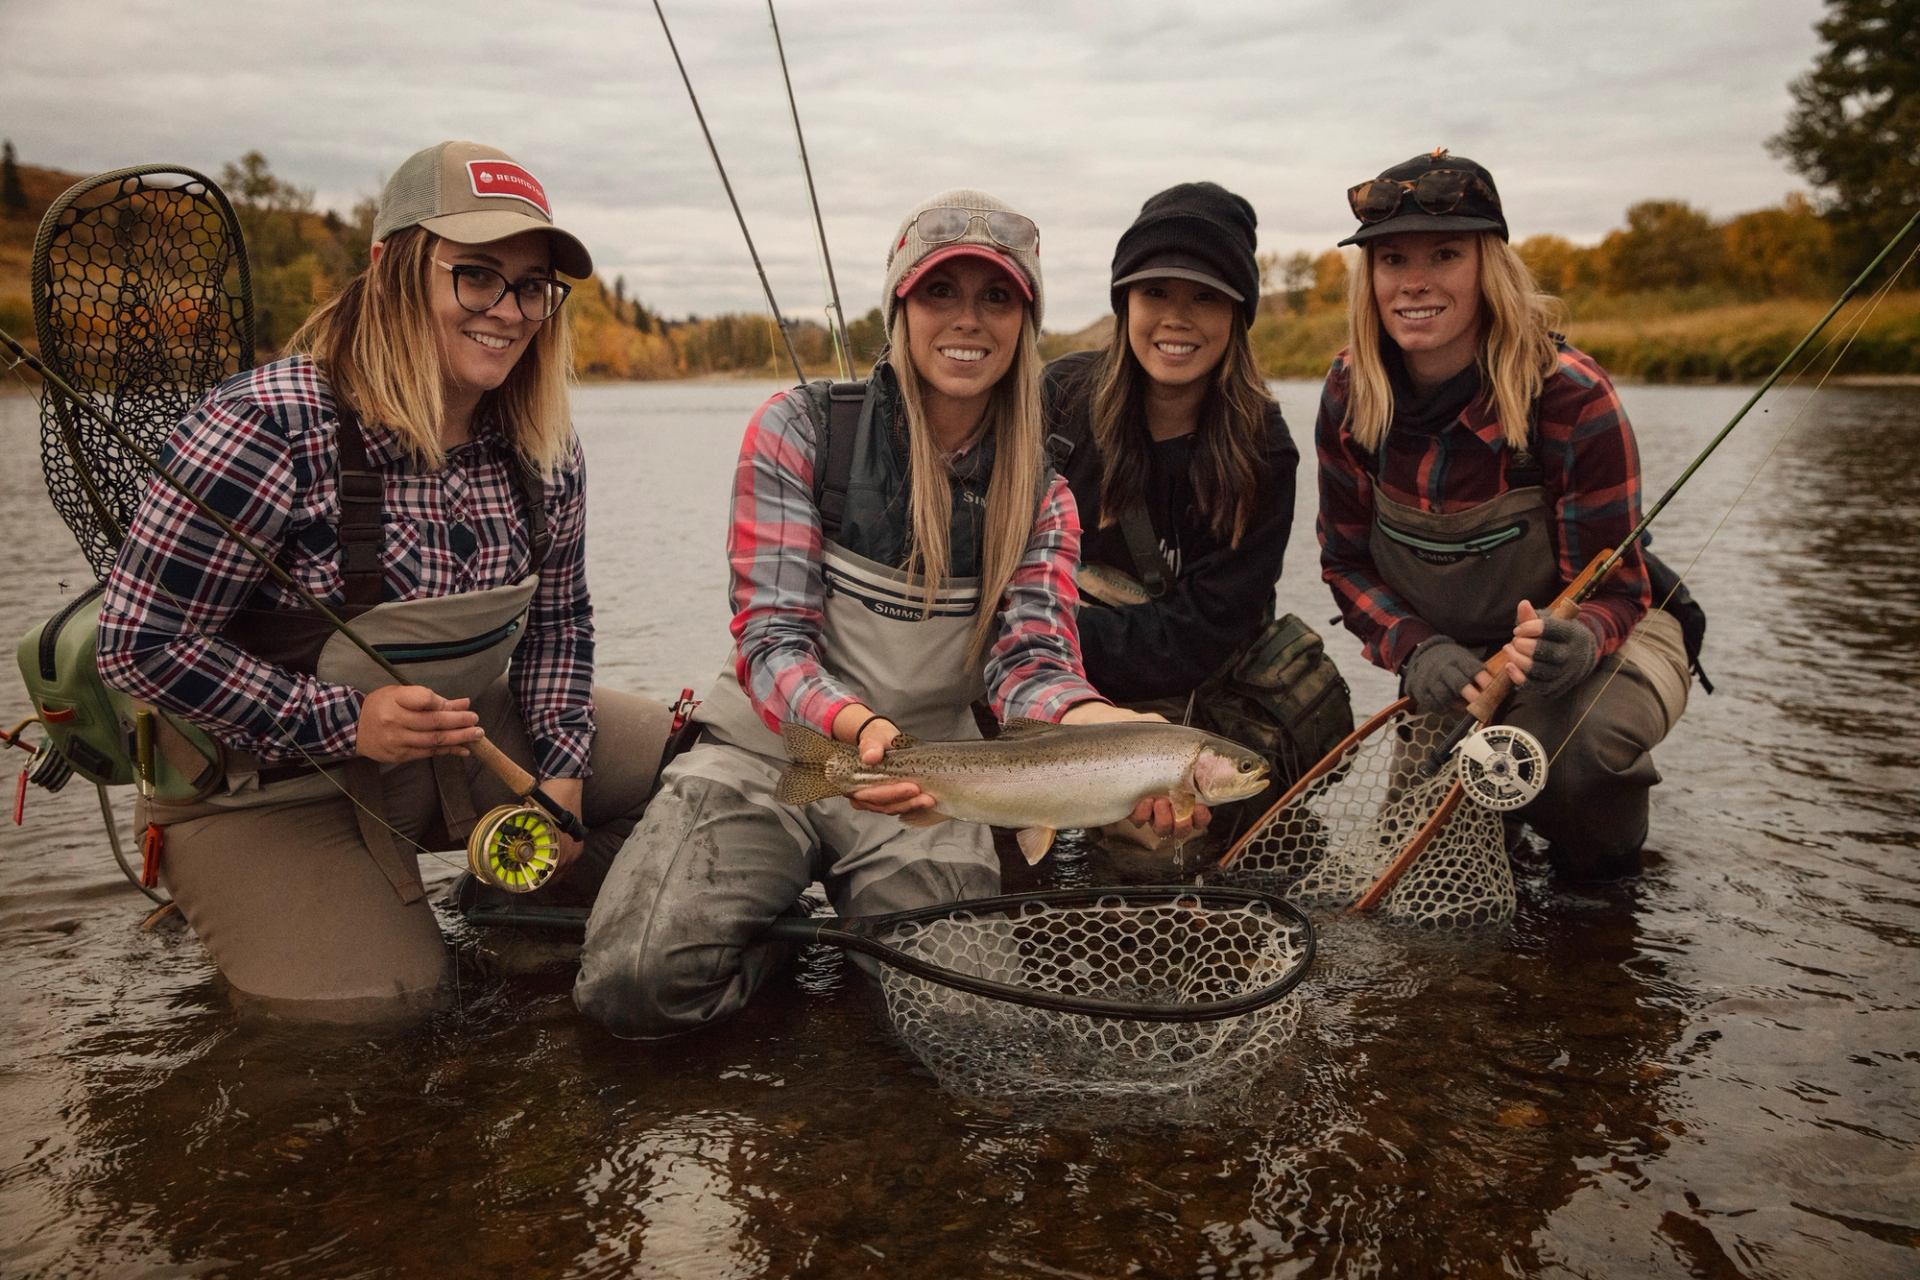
x,y
505,178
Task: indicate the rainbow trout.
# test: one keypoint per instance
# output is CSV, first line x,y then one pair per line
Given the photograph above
x,y
1035,777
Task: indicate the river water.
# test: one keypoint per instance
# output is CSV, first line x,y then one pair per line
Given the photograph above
x,y
1712,1071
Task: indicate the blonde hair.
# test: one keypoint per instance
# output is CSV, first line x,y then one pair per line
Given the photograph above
x,y
375,342
1013,420
1516,351
1229,444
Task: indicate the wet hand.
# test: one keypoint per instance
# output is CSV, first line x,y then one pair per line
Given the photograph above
x,y
1158,810
402,722
569,794
874,734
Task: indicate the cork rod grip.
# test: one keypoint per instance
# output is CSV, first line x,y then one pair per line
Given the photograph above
x,y
1566,605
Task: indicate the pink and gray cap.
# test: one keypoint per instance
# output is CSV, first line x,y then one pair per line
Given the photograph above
x,y
909,256
470,194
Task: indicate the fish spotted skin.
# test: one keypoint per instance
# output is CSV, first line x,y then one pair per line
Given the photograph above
x,y
1036,775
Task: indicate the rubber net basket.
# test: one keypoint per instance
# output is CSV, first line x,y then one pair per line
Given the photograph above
x,y
1150,947
141,301
1333,837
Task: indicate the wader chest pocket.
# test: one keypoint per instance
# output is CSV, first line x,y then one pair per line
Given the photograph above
x,y
1452,551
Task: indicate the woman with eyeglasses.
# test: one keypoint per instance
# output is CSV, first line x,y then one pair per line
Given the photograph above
x,y
898,550
1180,463
415,467
1472,462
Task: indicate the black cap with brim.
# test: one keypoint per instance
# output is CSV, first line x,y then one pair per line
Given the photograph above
x,y
1180,266
1410,223
1478,209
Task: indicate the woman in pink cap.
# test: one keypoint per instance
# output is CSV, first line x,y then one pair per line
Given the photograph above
x,y
898,550
414,466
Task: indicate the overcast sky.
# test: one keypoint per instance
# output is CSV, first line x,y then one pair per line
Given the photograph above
x,y
1074,111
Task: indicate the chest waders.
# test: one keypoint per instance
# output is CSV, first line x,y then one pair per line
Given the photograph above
x,y
456,645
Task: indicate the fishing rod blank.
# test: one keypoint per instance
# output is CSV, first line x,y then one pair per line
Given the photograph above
x,y
779,319
842,345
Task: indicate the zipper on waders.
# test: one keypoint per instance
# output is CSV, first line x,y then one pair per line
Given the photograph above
x,y
50,633
1477,546
400,654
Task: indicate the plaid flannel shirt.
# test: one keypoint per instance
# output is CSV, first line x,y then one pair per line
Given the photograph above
x,y
259,450
1033,666
1591,473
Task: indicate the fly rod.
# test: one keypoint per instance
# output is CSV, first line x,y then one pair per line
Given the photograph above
x,y
518,780
843,348
778,319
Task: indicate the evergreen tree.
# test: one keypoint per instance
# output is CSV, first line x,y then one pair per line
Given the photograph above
x,y
1854,131
13,195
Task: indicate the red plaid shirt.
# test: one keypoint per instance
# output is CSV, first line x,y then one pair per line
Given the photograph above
x,y
1033,667
259,450
1591,470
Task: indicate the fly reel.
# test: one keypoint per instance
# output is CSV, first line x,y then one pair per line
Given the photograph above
x,y
1502,768
513,848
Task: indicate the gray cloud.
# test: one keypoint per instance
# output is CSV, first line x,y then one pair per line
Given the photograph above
x,y
1075,112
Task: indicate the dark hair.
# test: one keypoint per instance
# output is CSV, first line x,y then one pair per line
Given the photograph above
x,y
1229,456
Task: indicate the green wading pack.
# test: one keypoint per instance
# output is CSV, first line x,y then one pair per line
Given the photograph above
x,y
97,729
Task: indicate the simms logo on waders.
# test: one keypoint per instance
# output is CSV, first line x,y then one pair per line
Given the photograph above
x,y
505,178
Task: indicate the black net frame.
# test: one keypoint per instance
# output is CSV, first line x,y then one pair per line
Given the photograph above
x,y
891,939
142,299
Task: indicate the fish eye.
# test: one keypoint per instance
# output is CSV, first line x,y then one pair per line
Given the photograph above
x,y
1246,766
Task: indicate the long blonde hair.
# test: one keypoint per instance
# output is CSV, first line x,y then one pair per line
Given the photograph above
x,y
1516,350
1013,420
1229,444
376,343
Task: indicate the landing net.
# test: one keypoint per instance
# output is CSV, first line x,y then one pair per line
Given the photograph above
x,y
141,301
1328,842
1168,949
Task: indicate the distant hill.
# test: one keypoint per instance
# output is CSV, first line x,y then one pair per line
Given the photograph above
x,y
43,187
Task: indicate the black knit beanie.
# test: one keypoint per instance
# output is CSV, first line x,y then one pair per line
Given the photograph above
x,y
1203,224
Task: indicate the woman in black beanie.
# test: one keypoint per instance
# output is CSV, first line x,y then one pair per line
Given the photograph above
x,y
1179,461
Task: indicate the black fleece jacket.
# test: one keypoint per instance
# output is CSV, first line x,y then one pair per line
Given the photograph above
x,y
1220,596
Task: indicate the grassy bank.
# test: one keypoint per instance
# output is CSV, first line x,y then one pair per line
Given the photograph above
x,y
1652,338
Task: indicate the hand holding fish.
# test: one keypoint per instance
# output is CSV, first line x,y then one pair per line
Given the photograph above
x,y
1166,818
1034,777
870,733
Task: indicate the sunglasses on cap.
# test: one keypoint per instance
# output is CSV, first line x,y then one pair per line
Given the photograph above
x,y
947,223
1437,191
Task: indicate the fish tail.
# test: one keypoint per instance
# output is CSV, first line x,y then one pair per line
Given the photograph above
x,y
803,783
804,746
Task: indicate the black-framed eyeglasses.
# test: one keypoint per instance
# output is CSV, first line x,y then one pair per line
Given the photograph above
x,y
947,223
478,289
1437,191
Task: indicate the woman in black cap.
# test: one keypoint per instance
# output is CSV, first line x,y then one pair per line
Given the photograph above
x,y
1179,460
1471,464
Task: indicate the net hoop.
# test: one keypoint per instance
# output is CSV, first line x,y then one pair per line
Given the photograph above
x,y
868,937
1326,765
1372,825
142,298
